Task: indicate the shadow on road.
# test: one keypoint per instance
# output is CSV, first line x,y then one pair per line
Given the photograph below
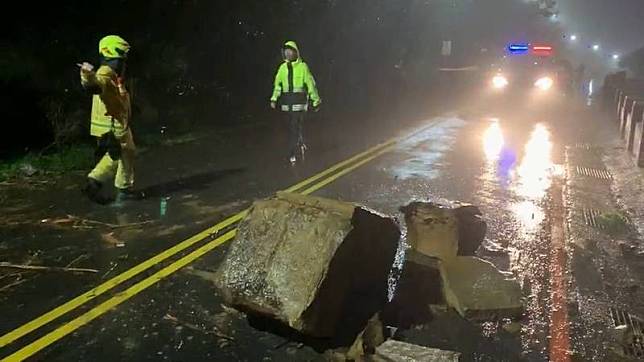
x,y
192,183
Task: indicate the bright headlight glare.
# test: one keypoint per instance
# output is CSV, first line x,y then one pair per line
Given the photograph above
x,y
499,81
544,83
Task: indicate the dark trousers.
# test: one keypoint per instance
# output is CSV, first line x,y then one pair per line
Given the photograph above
x,y
295,134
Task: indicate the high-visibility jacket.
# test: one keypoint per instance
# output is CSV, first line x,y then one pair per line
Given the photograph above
x,y
295,85
111,109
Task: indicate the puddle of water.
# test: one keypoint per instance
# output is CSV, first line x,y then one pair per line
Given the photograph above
x,y
500,158
536,168
493,141
425,149
529,214
533,178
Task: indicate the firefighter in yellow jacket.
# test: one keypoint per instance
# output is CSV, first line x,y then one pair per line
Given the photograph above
x,y
293,89
110,120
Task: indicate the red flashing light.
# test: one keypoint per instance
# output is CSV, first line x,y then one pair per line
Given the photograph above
x,y
542,50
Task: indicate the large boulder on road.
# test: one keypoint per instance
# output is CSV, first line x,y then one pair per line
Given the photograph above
x,y
305,261
444,231
477,290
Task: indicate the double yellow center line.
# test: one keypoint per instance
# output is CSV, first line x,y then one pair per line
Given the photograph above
x,y
305,187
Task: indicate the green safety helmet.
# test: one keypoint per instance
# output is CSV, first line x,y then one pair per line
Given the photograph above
x,y
113,46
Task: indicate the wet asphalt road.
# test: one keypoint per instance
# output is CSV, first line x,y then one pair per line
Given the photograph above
x,y
503,159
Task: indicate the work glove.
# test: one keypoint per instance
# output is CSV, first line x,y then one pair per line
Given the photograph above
x,y
273,105
85,67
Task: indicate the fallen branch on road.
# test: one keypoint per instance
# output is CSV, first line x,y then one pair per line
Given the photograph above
x,y
11,275
46,268
11,285
79,258
80,223
193,327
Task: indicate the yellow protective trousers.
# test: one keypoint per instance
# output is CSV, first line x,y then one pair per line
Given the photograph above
x,y
122,170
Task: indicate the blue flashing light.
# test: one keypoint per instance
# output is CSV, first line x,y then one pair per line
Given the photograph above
x,y
519,48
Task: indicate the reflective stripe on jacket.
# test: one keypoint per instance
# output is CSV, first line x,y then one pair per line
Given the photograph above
x,y
111,107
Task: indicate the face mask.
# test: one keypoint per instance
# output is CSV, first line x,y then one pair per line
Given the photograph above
x,y
290,55
118,65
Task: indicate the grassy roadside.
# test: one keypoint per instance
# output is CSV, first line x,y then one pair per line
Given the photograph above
x,y
66,159
78,157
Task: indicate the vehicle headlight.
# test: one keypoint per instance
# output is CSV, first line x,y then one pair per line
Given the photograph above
x,y
499,81
544,83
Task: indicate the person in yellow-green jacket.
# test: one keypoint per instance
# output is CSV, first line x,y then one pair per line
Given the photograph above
x,y
294,88
110,120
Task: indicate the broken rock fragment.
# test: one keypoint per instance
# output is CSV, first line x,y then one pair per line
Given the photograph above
x,y
304,260
451,235
444,231
366,342
397,351
477,290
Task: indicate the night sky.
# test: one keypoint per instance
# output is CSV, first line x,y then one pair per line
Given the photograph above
x,y
616,24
